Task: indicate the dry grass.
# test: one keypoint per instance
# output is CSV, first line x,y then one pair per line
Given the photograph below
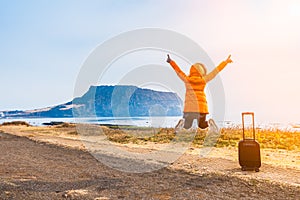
x,y
274,139
268,138
15,123
65,128
229,137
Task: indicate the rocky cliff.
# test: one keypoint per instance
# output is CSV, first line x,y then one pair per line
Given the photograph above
x,y
111,101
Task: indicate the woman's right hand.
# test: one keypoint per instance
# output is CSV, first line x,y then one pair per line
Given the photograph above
x,y
168,59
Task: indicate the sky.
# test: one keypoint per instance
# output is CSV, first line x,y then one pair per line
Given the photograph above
x,y
45,43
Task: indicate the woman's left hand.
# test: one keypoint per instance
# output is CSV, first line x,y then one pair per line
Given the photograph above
x,y
228,60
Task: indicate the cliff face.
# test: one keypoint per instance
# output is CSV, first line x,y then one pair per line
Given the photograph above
x,y
112,101
125,101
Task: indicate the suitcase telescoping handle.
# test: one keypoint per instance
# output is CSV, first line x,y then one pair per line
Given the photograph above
x,y
253,127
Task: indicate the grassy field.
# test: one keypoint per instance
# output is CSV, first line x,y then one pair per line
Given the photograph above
x,y
274,139
268,138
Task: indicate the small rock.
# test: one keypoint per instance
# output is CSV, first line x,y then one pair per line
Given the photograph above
x,y
74,193
64,195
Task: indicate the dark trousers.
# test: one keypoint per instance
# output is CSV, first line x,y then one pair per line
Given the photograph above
x,y
190,116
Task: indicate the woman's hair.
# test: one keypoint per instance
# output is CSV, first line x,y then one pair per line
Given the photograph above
x,y
200,68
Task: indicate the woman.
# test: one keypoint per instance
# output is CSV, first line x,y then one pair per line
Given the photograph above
x,y
195,104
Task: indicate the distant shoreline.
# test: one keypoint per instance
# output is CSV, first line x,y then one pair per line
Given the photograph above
x,y
162,122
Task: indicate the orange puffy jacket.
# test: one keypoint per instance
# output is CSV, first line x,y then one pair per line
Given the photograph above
x,y
195,98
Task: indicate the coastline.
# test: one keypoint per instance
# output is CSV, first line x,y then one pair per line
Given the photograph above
x,y
157,122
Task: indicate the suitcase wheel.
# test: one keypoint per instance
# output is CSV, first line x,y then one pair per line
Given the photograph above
x,y
257,169
243,169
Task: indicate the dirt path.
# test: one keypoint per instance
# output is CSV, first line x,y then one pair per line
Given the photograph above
x,y
279,166
37,170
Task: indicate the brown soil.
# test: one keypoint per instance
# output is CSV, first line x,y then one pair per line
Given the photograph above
x,y
45,167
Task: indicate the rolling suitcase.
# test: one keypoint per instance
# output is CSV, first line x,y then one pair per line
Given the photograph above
x,y
249,149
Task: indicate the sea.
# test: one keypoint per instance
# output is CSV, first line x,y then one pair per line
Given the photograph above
x,y
165,122
156,122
